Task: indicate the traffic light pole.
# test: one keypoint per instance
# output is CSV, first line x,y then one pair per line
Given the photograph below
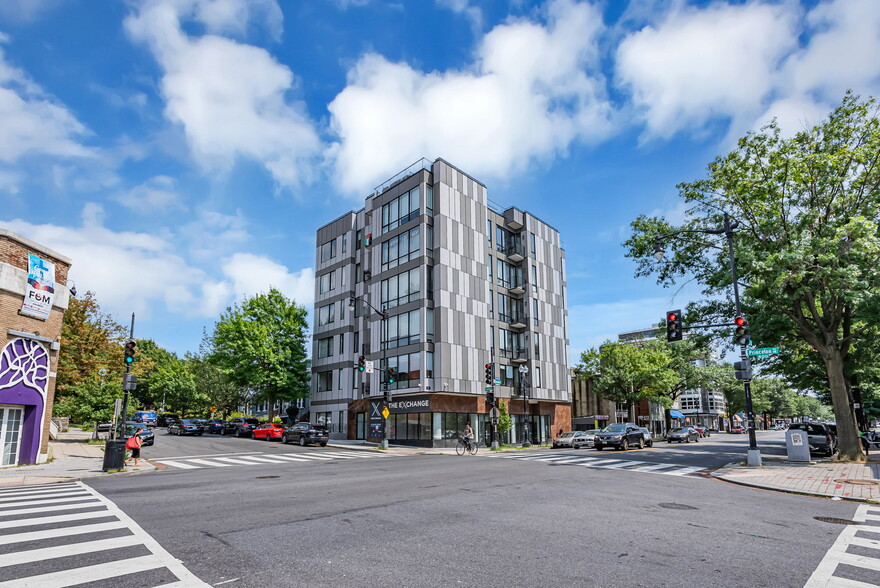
x,y
125,386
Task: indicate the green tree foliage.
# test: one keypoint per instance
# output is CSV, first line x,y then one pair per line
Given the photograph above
x,y
807,243
90,402
505,422
261,345
213,385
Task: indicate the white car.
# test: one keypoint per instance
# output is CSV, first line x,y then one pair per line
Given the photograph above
x,y
574,439
649,438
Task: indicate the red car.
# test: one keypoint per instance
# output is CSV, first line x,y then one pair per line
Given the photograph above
x,y
737,429
269,431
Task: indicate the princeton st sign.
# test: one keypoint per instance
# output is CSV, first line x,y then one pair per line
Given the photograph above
x,y
762,352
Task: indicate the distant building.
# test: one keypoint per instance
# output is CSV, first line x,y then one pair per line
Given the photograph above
x,y
461,285
33,298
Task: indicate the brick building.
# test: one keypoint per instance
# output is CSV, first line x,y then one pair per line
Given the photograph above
x,y
33,298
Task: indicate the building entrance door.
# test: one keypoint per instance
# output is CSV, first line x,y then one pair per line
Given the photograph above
x,y
10,434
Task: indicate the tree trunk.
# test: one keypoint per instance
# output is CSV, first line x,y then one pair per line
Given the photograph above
x,y
847,432
271,400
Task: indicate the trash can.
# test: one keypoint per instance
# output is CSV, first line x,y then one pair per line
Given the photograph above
x,y
114,454
797,443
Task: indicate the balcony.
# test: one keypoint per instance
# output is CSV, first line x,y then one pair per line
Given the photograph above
x,y
520,356
515,219
514,321
515,251
517,289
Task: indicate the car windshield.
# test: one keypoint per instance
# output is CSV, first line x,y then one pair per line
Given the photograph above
x,y
614,429
679,430
644,430
569,434
592,431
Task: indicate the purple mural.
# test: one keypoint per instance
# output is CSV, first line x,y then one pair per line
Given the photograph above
x,y
24,374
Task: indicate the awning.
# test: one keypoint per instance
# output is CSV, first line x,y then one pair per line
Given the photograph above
x,y
676,414
737,418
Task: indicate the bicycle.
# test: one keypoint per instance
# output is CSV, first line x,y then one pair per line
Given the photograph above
x,y
466,445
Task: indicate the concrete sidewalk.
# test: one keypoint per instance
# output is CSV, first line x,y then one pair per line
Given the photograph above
x,y
71,458
831,479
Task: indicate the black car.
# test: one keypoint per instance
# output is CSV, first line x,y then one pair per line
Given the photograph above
x,y
240,427
214,425
305,434
185,427
683,435
166,418
621,435
146,435
821,437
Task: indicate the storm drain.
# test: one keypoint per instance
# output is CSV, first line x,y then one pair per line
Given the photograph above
x,y
676,506
265,477
836,521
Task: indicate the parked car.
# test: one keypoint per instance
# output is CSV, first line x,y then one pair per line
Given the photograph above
x,y
240,427
185,427
820,436
566,439
214,425
683,435
737,430
620,435
649,437
147,417
588,439
306,433
165,418
269,431
147,436
703,431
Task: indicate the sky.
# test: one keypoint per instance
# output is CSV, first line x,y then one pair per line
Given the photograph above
x,y
184,152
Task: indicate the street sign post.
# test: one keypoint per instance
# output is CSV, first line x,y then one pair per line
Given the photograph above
x,y
762,352
369,366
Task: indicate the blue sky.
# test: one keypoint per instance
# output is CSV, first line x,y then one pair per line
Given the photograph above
x,y
183,152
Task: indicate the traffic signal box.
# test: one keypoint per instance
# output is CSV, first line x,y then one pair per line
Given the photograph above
x,y
130,350
674,328
490,374
362,363
742,370
391,375
741,332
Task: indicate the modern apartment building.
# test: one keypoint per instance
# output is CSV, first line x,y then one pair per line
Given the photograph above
x,y
429,280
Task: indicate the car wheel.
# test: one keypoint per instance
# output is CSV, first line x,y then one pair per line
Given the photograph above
x,y
323,444
669,440
650,444
222,432
641,443
598,448
687,439
302,441
624,445
696,439
284,439
266,438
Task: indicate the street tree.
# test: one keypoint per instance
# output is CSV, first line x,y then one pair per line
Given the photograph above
x,y
261,345
688,367
807,243
214,385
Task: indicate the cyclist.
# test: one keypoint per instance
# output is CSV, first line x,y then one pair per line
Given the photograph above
x,y
468,434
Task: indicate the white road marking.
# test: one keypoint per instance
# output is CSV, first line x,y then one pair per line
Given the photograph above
x,y
180,464
837,554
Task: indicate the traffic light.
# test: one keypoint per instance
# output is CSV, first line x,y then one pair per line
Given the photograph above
x,y
391,374
742,370
362,363
741,332
490,374
674,326
490,397
130,349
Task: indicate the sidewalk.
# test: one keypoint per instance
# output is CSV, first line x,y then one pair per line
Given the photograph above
x,y
849,481
71,458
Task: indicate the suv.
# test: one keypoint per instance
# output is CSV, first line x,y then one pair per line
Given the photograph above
x,y
166,418
305,433
147,417
240,427
622,436
821,437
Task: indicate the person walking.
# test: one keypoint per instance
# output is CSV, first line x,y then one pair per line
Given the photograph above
x,y
134,445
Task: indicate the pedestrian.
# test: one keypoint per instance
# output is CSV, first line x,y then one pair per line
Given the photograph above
x,y
134,445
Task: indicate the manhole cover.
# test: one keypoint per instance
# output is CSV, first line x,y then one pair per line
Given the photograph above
x,y
858,482
836,521
265,477
675,506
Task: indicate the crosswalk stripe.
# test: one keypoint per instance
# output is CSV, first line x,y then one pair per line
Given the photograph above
x,y
601,462
23,557
24,490
180,464
622,464
651,468
44,501
85,574
236,460
62,532
57,508
3,501
291,458
669,469
80,516
262,459
211,463
684,471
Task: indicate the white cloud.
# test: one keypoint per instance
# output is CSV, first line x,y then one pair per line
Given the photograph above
x,y
32,123
158,195
701,63
252,274
532,90
229,98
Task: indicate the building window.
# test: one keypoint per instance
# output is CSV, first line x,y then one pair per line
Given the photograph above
x,y
402,288
328,250
509,376
535,276
409,369
327,282
326,314
344,242
400,211
325,381
510,310
537,339
491,304
401,248
341,343
535,310
489,265
507,275
429,199
538,383
339,379
510,344
532,246
500,239
406,328
358,274
359,239
489,231
325,347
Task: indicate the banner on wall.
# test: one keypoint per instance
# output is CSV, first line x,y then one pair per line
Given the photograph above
x,y
40,289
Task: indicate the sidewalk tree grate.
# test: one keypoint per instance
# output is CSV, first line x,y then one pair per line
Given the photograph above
x,y
858,482
837,521
676,506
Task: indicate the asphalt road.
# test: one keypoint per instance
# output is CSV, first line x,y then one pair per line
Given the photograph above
x,y
440,520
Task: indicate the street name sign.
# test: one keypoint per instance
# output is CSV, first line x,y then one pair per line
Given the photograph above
x,y
762,352
497,381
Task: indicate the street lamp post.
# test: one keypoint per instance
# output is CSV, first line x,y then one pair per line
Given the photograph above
x,y
384,345
754,454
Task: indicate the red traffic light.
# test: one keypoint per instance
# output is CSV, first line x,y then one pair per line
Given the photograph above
x,y
671,316
740,321
488,366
